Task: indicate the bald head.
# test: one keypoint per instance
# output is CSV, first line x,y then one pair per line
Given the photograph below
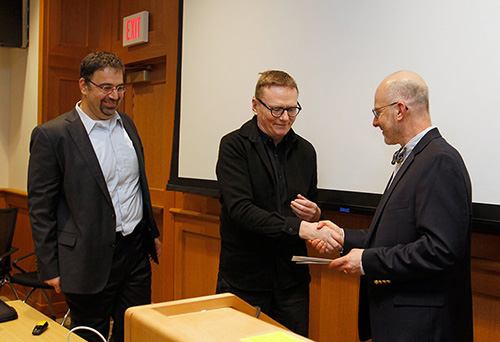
x,y
408,87
403,102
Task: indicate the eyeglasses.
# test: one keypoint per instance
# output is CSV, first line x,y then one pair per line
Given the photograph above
x,y
278,111
375,111
109,89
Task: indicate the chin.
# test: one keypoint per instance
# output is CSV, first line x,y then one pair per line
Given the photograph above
x,y
108,111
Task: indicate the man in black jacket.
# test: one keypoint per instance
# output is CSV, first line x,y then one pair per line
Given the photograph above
x,y
267,179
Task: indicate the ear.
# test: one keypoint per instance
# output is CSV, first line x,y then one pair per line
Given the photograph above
x,y
84,87
402,111
254,105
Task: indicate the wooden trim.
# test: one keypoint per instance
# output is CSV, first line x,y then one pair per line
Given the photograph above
x,y
14,198
485,277
195,214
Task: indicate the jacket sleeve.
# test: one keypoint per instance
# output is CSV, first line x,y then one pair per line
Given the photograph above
x,y
44,183
235,183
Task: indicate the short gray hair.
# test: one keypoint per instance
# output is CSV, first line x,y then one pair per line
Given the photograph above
x,y
410,91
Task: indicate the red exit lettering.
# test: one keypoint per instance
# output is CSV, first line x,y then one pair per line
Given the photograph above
x,y
133,28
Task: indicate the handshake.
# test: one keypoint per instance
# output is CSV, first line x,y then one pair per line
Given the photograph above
x,y
327,237
324,236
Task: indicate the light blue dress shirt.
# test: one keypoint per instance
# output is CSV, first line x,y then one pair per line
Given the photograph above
x,y
120,168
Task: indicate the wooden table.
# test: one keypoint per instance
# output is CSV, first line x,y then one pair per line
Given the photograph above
x,y
19,330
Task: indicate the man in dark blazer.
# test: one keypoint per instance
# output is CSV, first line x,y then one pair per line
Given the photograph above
x,y
414,260
89,203
267,179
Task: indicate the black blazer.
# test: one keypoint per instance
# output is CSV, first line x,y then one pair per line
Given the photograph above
x,y
417,285
71,212
257,242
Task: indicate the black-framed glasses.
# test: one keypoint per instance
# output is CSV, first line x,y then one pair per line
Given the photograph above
x,y
375,111
109,89
278,111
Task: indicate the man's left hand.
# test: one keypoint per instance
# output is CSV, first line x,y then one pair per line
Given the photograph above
x,y
305,209
350,263
158,249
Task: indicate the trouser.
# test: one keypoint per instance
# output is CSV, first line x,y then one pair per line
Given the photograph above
x,y
290,306
129,285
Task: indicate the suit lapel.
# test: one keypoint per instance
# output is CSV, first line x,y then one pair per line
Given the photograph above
x,y
82,141
134,136
426,139
135,140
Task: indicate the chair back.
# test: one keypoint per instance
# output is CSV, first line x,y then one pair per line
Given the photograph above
x,y
8,219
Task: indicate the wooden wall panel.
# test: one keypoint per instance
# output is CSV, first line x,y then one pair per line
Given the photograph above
x,y
69,31
72,29
64,93
157,269
334,298
197,248
486,318
75,28
150,117
164,200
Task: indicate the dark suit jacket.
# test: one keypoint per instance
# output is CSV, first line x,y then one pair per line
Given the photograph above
x,y
257,243
71,212
417,285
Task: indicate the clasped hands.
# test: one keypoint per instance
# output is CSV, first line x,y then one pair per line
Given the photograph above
x,y
324,240
327,238
324,236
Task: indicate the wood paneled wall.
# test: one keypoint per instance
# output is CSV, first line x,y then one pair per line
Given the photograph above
x,y
70,29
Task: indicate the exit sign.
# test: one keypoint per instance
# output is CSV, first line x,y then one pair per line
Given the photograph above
x,y
135,28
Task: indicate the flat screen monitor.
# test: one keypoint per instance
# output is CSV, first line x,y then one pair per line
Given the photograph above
x,y
14,23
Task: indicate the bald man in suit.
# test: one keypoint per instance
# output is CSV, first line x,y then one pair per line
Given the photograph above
x,y
414,260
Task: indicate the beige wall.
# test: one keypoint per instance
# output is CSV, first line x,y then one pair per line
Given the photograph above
x,y
18,105
4,115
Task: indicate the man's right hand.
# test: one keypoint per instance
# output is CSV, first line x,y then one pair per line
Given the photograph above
x,y
322,246
56,283
330,238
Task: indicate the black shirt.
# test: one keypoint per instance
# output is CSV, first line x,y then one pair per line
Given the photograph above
x,y
277,156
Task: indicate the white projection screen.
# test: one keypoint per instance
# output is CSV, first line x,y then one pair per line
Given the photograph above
x,y
338,51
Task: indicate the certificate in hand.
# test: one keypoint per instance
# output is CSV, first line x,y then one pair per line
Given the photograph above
x,y
310,260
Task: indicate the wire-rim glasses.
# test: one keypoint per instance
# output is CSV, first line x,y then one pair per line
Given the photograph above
x,y
109,89
375,111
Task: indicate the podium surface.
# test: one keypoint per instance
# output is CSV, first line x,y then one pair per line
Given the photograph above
x,y
222,317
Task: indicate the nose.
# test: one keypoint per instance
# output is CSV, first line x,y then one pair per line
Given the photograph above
x,y
114,94
375,122
282,117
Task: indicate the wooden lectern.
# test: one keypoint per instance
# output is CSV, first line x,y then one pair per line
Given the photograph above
x,y
222,317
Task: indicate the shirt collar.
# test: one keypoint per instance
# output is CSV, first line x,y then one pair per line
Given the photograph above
x,y
415,140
